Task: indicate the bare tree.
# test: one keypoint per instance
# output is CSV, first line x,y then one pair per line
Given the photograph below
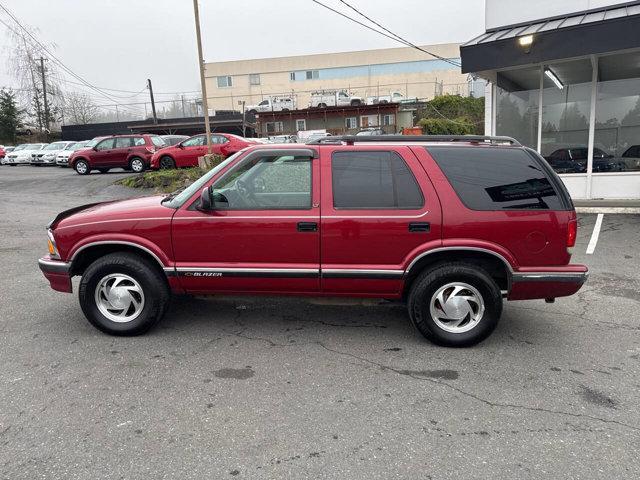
x,y
24,64
80,109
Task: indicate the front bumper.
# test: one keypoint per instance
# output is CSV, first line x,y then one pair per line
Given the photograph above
x,y
62,161
529,284
43,161
57,272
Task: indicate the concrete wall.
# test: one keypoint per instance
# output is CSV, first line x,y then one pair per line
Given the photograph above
x,y
365,73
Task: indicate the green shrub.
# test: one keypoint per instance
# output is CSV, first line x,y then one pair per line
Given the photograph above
x,y
440,126
165,181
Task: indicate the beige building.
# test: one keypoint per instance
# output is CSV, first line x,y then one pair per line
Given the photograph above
x,y
364,73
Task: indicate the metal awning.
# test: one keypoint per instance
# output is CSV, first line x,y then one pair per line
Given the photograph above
x,y
582,33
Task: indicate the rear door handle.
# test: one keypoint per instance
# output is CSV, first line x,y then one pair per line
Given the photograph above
x,y
307,227
419,227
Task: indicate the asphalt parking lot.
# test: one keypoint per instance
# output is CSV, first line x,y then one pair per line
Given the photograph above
x,y
289,388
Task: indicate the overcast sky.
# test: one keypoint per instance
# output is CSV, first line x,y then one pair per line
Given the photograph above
x,y
118,44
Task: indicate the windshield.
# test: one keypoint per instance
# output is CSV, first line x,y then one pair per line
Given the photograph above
x,y
177,200
78,146
20,147
55,146
92,143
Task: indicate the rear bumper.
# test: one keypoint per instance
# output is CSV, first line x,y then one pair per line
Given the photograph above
x,y
57,272
560,282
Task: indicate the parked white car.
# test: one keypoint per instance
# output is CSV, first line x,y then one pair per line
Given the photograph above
x,y
334,98
392,97
23,154
274,104
47,156
62,159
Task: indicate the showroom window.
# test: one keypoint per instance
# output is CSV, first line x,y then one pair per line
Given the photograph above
x,y
617,129
566,100
517,100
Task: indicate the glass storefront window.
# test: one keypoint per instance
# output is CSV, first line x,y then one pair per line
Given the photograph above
x,y
617,134
517,105
566,100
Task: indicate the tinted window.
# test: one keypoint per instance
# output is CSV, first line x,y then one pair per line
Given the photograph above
x,y
363,180
487,178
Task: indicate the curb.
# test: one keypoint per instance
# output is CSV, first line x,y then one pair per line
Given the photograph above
x,y
620,210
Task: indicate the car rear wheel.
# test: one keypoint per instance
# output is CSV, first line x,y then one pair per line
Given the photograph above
x,y
167,162
123,294
136,164
82,167
455,304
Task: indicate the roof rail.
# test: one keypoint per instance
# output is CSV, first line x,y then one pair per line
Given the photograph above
x,y
351,139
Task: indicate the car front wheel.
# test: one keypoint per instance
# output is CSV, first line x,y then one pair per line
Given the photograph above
x,y
167,162
82,167
123,294
455,304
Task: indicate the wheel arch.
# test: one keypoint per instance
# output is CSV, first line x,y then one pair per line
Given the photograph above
x,y
496,265
86,254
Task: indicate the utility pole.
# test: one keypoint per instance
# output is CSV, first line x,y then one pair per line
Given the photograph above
x,y
153,103
182,101
44,96
205,106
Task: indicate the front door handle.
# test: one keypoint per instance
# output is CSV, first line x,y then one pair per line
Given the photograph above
x,y
419,227
307,227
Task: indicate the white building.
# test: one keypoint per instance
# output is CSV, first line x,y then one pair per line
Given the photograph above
x,y
567,85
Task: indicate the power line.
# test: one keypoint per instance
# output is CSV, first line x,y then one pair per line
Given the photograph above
x,y
52,56
403,40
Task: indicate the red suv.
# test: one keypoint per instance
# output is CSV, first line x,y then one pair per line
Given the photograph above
x,y
186,153
451,225
131,152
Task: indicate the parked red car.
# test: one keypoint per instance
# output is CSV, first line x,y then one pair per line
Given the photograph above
x,y
450,225
131,152
186,153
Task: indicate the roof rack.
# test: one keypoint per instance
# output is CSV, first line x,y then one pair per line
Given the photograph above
x,y
351,139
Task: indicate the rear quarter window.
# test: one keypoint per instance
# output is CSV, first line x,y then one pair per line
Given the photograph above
x,y
488,178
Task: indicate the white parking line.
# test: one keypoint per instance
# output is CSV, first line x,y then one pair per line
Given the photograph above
x,y
596,233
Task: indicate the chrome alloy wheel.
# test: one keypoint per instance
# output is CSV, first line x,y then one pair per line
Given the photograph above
x,y
457,307
119,297
81,167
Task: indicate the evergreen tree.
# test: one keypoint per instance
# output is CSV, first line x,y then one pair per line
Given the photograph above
x,y
9,114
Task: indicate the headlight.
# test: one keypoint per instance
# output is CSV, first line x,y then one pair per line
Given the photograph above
x,y
53,249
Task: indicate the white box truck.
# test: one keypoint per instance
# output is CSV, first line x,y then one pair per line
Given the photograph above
x,y
334,98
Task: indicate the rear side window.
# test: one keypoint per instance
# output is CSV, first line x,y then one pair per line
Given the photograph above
x,y
123,142
370,180
157,141
487,178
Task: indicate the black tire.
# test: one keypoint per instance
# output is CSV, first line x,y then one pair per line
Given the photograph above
x,y
82,171
252,112
151,280
356,103
167,163
137,165
322,105
427,285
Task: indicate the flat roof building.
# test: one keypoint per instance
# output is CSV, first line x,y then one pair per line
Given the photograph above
x,y
364,73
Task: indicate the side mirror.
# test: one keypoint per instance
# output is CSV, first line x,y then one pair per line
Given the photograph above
x,y
179,145
95,149
206,202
